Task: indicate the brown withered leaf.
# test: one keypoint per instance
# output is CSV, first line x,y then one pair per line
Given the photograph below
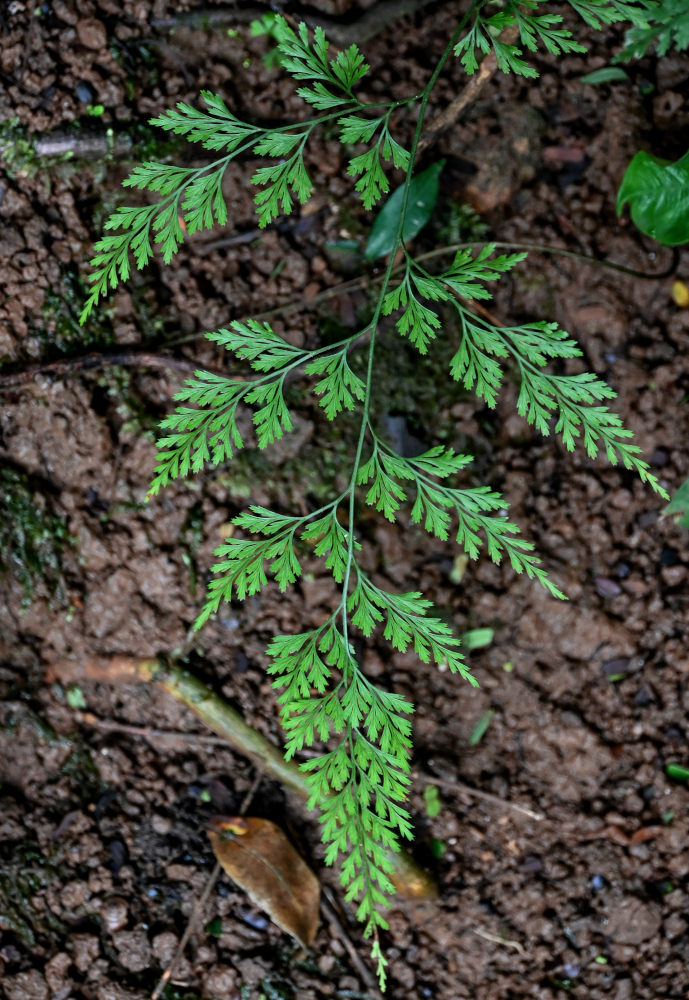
x,y
257,855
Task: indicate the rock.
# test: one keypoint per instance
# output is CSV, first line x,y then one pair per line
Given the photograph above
x,y
57,975
111,991
606,587
85,92
109,604
675,926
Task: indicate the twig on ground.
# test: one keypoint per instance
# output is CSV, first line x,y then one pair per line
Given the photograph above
x,y
367,26
152,735
362,281
71,366
329,911
559,252
496,939
449,115
196,912
201,902
94,144
477,793
248,798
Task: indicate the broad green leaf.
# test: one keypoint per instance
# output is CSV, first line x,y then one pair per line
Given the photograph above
x,y
606,74
677,772
679,505
343,246
658,195
423,194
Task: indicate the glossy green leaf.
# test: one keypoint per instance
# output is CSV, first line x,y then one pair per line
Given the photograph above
x,y
345,246
658,195
423,194
606,74
438,848
677,772
679,505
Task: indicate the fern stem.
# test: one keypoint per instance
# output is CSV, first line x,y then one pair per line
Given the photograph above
x,y
366,860
373,325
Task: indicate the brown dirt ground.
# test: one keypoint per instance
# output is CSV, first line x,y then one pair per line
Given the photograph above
x,y
102,850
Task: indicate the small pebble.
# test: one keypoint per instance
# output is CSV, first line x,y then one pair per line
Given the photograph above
x,y
643,697
161,824
621,570
134,950
617,666
531,864
253,919
85,92
164,946
26,985
326,964
673,576
221,982
606,587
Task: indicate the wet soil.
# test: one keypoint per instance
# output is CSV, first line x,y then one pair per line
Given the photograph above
x,y
103,853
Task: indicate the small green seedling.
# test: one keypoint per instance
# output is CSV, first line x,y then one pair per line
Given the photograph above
x,y
431,798
481,728
75,698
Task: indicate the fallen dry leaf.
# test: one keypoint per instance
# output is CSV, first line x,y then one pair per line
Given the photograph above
x,y
645,833
257,855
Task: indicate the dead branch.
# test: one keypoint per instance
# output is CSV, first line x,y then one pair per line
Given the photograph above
x,y
89,362
478,793
342,33
449,115
188,931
